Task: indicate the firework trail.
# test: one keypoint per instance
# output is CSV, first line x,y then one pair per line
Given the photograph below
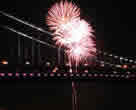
x,y
72,32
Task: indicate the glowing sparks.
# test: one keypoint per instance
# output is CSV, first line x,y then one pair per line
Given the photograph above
x,y
81,51
61,13
71,32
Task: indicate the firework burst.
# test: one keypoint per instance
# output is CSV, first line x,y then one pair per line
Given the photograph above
x,y
62,13
71,32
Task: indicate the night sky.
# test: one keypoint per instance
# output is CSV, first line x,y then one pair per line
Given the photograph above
x,y
114,23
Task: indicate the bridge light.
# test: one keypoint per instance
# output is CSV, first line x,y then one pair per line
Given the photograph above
x,y
126,59
48,64
125,66
27,63
4,62
118,66
86,71
17,74
10,74
39,74
31,74
102,65
121,58
134,66
115,72
130,61
115,56
110,55
2,74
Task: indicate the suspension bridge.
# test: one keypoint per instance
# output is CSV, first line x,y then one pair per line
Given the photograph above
x,y
107,66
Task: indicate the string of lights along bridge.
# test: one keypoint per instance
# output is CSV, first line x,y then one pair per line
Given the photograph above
x,y
75,36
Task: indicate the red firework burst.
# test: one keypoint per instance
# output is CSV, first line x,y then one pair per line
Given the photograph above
x,y
61,13
71,32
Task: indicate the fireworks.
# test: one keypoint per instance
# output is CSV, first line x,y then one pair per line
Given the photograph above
x,y
71,32
61,13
